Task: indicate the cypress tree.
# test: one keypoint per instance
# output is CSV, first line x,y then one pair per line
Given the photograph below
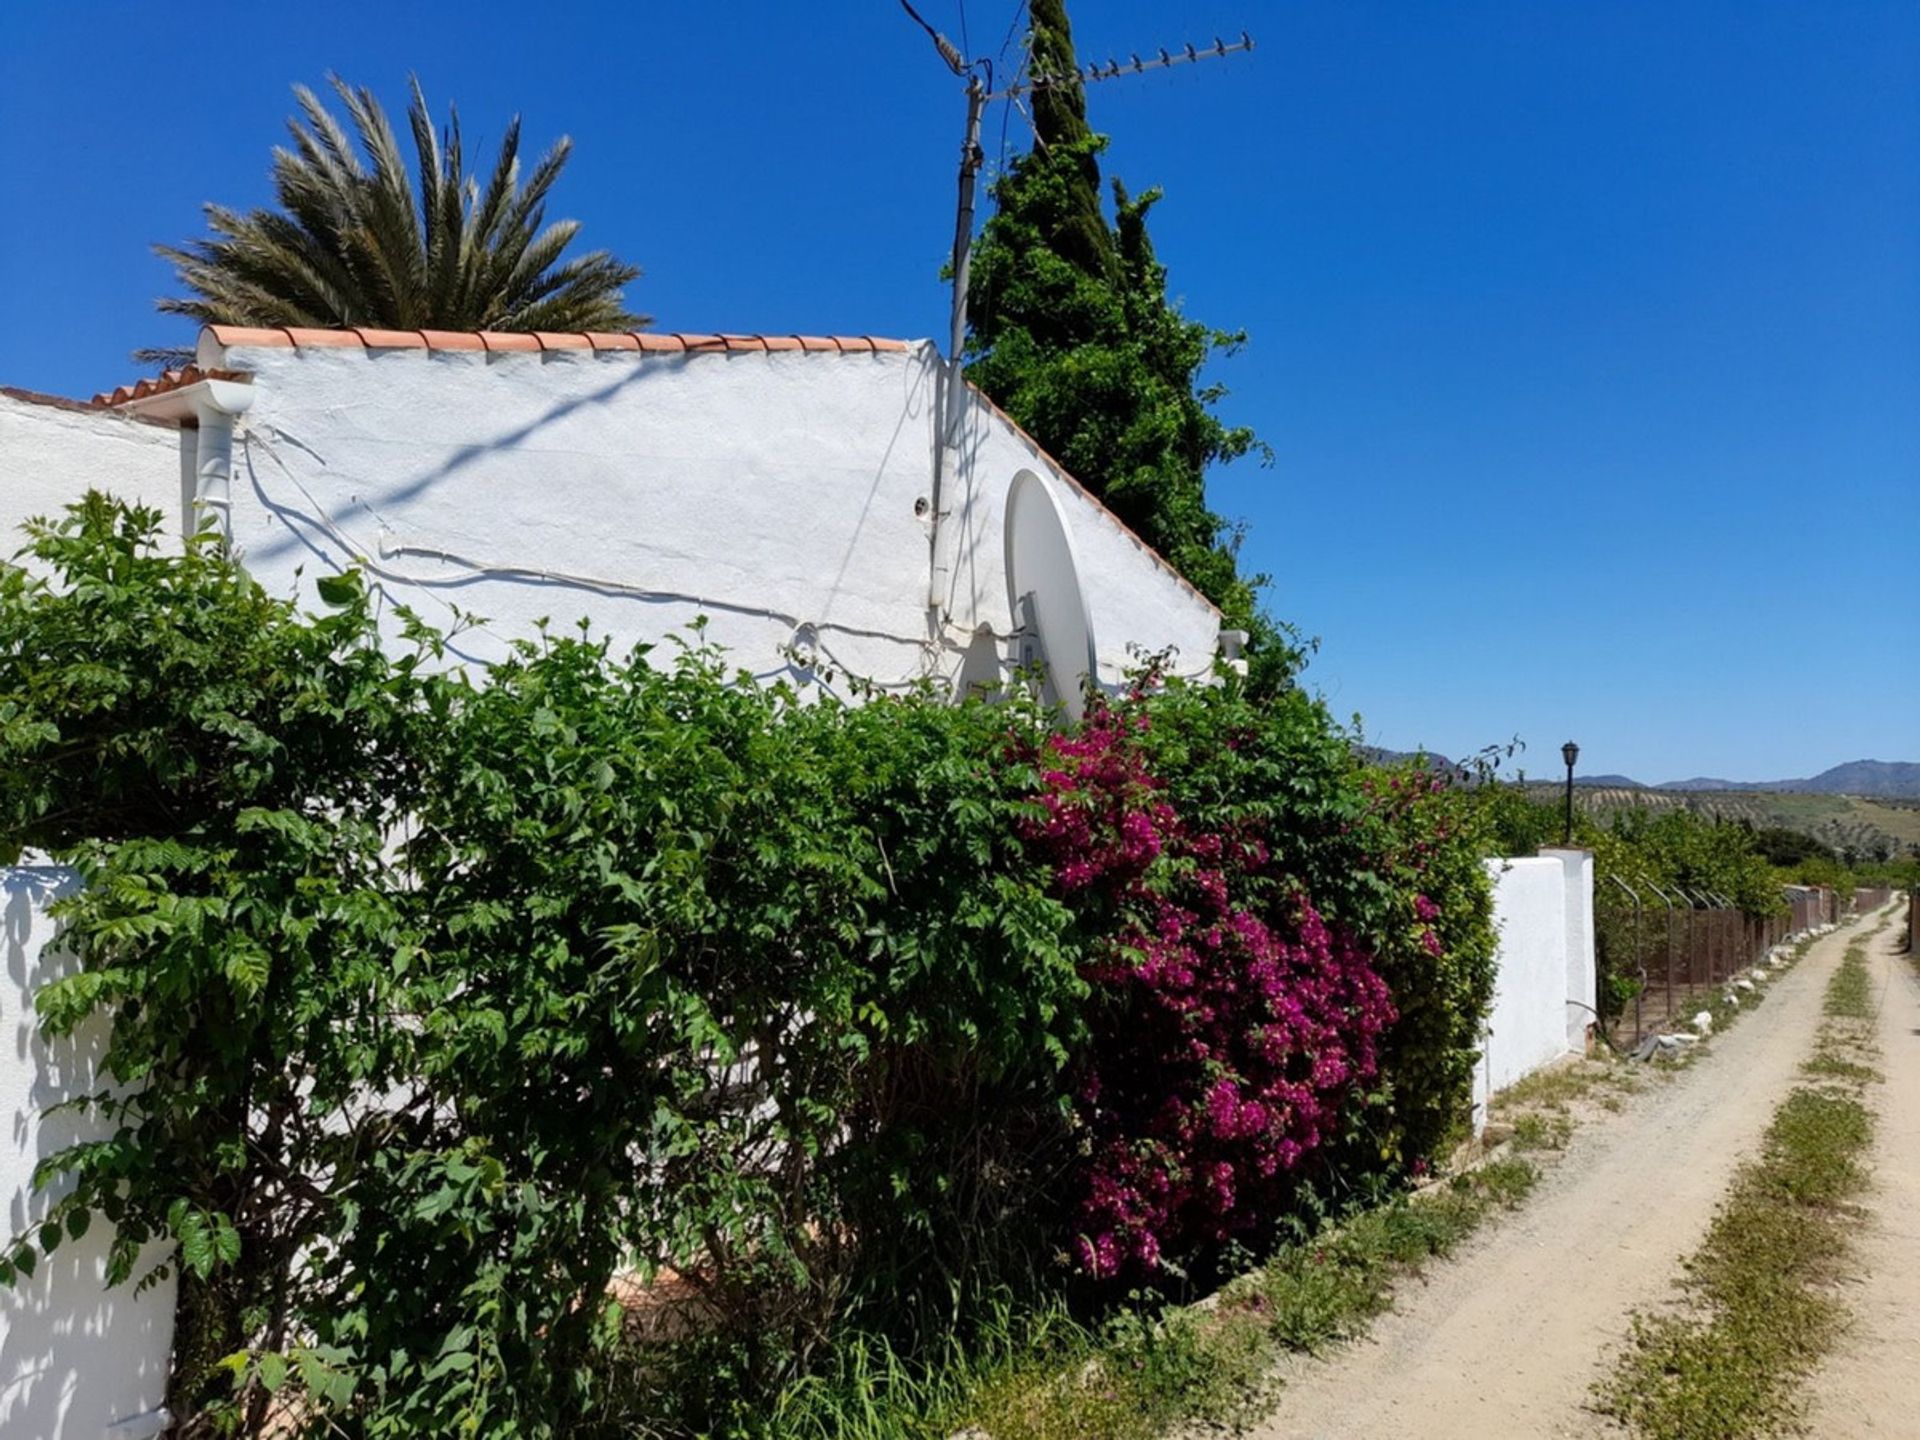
x,y
1072,333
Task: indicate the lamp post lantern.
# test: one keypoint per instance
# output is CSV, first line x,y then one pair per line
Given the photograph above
x,y
1569,752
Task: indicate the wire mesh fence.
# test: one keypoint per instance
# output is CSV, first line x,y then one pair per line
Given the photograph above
x,y
1663,950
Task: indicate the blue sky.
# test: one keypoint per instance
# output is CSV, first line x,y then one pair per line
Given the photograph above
x,y
1586,337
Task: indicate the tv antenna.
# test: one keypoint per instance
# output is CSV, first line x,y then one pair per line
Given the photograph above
x,y
981,92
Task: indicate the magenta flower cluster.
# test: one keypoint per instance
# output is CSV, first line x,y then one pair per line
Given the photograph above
x,y
1227,1037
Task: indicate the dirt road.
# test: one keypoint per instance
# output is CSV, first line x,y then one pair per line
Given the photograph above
x,y
1505,1340
1870,1386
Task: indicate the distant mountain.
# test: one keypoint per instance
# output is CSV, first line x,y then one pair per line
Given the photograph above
x,y
1882,779
1609,782
1436,762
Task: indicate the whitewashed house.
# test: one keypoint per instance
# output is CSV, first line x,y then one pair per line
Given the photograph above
x,y
828,505
794,490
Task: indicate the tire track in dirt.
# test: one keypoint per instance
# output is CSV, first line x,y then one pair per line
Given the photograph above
x,y
1871,1386
1506,1339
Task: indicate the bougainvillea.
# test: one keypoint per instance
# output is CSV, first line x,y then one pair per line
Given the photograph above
x,y
1225,1039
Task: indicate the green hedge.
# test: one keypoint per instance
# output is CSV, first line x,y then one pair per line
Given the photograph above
x,y
449,1002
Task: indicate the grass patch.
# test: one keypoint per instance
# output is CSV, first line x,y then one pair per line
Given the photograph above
x,y
1831,1063
1148,1373
1537,1131
1850,992
1558,1087
1758,1311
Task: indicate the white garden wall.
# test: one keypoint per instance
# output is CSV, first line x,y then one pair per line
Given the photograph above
x,y
785,495
77,1361
52,453
1544,983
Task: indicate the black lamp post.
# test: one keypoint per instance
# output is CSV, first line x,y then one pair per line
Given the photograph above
x,y
1569,752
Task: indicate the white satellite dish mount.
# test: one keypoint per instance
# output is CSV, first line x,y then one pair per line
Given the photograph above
x,y
1051,619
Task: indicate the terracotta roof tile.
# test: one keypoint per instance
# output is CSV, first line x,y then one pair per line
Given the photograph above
x,y
322,339
649,341
391,339
498,341
248,335
165,381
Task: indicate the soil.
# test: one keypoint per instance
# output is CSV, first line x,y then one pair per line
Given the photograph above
x,y
1871,1385
1507,1338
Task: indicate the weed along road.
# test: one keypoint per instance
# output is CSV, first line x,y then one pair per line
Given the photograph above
x,y
1870,1386
1508,1339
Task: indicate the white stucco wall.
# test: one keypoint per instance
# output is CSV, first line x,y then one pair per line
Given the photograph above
x,y
51,455
779,494
1582,998
77,1360
1544,977
1135,601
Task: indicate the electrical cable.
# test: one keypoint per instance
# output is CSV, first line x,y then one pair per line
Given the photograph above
x,y
955,61
318,518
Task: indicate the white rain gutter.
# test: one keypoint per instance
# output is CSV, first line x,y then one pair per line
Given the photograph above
x,y
205,411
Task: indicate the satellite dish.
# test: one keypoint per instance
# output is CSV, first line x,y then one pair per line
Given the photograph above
x,y
1043,590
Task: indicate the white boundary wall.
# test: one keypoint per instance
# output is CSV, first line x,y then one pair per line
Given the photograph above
x,y
51,454
1544,988
787,497
77,1360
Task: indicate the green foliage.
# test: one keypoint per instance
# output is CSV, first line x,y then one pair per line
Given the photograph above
x,y
1784,849
1672,850
1043,1374
1436,952
223,777
1073,334
355,242
1678,848
446,1004
439,1008
1391,854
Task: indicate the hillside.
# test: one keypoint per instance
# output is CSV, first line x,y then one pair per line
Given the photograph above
x,y
1870,827
1897,779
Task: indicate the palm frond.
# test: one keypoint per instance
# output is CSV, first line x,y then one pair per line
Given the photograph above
x,y
360,237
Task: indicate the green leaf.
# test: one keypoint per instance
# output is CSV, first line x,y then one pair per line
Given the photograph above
x,y
339,590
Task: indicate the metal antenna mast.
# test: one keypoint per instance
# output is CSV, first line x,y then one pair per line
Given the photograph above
x,y
980,92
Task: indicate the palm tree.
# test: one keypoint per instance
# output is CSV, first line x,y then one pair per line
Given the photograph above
x,y
352,243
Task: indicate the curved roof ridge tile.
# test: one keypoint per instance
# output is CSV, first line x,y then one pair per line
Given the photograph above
x,y
300,337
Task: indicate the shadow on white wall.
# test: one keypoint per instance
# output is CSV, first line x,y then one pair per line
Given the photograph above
x,y
76,1358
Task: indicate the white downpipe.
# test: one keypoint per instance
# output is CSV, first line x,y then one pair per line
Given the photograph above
x,y
216,405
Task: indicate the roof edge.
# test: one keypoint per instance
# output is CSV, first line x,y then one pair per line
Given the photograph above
x,y
1098,504
78,407
647,342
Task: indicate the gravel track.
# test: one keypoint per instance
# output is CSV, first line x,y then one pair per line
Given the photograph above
x,y
1871,1385
1505,1339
